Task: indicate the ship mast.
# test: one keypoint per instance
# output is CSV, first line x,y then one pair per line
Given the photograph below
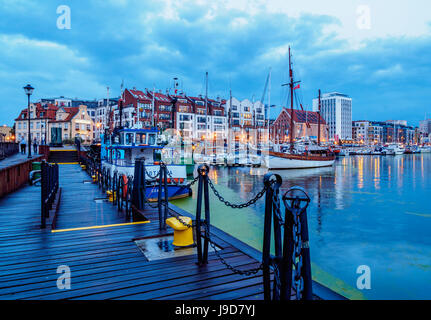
x,y
318,123
291,103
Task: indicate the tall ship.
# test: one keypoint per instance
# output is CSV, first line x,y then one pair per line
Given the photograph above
x,y
298,155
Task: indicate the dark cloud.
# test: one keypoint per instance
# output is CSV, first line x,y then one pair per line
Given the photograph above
x,y
146,44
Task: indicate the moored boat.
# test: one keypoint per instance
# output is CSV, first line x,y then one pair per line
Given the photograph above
x,y
295,158
124,146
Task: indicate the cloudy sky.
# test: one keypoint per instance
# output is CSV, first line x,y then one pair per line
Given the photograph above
x,y
376,51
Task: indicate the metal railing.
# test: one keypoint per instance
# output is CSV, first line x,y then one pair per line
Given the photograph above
x,y
49,187
286,271
8,149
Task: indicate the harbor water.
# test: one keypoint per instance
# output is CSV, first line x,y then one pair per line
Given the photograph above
x,y
365,210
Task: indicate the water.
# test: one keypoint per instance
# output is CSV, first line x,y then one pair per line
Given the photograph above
x,y
365,210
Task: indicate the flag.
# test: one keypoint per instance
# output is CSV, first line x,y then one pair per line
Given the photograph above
x,y
296,87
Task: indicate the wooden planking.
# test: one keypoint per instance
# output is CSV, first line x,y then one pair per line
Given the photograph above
x,y
105,263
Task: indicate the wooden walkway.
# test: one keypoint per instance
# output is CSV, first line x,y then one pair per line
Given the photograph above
x,y
105,263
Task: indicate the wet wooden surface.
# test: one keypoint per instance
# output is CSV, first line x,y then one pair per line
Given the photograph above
x,y
105,263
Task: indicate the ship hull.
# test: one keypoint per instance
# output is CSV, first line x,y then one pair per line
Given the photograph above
x,y
176,190
280,161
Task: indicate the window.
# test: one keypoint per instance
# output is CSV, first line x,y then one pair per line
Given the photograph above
x,y
151,139
88,127
129,138
77,126
141,138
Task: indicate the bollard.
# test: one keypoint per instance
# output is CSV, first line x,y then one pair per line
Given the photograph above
x,y
296,243
203,171
183,235
272,188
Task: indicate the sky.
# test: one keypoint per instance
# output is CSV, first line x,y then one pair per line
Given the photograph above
x,y
375,51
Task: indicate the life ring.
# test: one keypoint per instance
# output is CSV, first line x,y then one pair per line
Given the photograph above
x,y
125,186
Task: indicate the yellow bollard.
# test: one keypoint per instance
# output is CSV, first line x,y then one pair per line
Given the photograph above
x,y
83,167
94,178
110,195
183,235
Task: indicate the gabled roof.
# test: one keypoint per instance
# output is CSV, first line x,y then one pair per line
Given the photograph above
x,y
302,116
139,94
72,111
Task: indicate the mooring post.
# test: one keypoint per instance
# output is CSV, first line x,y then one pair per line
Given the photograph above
x,y
306,261
272,188
203,171
139,184
166,195
296,245
43,194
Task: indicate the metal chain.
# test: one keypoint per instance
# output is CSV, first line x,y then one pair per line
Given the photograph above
x,y
223,261
277,207
237,206
179,185
152,177
297,280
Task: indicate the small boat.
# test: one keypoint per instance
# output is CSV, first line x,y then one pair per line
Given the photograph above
x,y
396,149
425,149
121,148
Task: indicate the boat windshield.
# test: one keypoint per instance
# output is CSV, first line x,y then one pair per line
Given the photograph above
x,y
141,138
129,138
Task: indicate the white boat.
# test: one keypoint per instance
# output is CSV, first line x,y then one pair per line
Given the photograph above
x,y
120,150
278,160
425,149
396,149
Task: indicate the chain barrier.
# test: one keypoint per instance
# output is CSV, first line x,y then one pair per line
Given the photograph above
x,y
259,195
287,271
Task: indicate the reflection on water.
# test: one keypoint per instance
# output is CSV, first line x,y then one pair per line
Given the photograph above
x,y
365,210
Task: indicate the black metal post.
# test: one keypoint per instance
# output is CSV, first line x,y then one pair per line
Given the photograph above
x,y
29,133
306,261
43,188
159,198
166,195
271,189
203,171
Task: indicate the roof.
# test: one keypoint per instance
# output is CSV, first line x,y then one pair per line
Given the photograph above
x,y
302,116
48,110
138,94
72,111
307,116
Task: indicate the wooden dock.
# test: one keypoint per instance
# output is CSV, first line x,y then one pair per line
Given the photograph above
x,y
97,243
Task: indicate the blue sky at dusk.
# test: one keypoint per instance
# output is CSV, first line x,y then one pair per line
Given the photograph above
x,y
385,65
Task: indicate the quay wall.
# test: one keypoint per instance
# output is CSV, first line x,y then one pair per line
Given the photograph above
x,y
16,175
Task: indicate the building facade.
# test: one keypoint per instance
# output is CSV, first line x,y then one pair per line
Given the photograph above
x,y
336,109
73,122
306,123
40,115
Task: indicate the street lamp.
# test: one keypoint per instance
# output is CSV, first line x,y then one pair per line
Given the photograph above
x,y
28,89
